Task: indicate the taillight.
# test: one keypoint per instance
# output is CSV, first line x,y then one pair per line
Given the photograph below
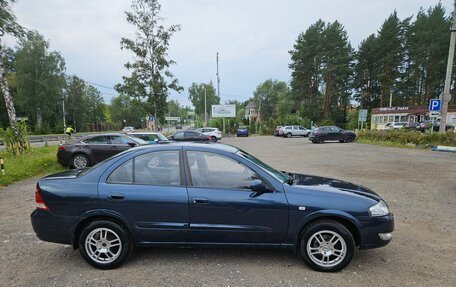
x,y
209,138
61,147
39,200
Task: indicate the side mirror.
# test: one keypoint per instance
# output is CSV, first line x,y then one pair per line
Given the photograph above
x,y
132,144
156,140
258,186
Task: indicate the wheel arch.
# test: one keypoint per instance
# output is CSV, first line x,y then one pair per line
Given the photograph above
x,y
96,216
349,223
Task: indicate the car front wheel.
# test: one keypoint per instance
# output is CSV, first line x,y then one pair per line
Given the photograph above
x,y
289,135
327,246
349,139
104,244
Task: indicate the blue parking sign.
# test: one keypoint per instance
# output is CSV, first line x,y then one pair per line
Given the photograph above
x,y
434,105
151,118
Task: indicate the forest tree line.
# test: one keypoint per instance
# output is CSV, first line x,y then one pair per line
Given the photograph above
x,y
405,59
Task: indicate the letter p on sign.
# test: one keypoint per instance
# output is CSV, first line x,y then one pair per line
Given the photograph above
x,y
434,105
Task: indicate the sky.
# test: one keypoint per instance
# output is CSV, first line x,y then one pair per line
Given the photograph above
x,y
252,37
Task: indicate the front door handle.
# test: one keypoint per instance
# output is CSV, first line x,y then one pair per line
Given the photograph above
x,y
116,196
200,200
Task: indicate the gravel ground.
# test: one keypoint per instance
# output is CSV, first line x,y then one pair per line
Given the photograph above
x,y
419,185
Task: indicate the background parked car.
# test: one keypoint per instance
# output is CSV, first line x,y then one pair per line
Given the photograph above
x,y
178,126
432,125
278,131
93,149
412,126
290,131
331,133
242,131
128,129
190,136
395,125
214,133
150,137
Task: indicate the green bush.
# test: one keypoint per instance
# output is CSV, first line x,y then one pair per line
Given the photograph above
x,y
409,137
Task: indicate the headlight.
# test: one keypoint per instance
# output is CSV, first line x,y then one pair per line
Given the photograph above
x,y
380,209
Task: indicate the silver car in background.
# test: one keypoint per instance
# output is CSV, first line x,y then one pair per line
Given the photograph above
x,y
214,133
291,131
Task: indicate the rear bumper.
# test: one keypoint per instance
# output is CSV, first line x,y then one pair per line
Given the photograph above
x,y
63,158
378,232
53,228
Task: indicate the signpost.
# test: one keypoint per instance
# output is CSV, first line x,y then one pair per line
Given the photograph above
x,y
362,118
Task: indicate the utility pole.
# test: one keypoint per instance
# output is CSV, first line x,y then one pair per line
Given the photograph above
x,y
218,87
63,108
446,90
391,98
205,107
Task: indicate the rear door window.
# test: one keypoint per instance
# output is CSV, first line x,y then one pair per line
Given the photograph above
x,y
97,140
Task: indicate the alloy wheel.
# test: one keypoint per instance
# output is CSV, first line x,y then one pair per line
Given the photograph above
x,y
103,245
326,248
80,161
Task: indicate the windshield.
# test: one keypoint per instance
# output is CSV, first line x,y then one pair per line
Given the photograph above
x,y
275,173
138,140
161,137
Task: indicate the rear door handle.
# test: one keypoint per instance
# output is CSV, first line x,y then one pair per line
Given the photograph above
x,y
116,196
200,200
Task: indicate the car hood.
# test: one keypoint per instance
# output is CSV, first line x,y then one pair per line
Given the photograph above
x,y
331,185
72,173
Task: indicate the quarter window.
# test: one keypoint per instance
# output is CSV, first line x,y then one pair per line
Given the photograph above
x,y
179,135
216,171
123,174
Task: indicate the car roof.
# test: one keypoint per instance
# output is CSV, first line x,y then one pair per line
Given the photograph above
x,y
144,133
207,146
103,134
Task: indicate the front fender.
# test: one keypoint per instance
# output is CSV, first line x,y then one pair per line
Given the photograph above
x,y
301,223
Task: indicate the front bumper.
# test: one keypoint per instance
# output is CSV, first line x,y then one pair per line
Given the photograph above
x,y
377,232
53,228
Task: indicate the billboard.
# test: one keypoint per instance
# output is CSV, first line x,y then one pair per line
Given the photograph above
x,y
223,111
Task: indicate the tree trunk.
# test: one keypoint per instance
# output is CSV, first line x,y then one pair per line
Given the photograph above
x,y
327,97
6,94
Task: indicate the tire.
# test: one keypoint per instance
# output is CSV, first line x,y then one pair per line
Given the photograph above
x,y
213,139
326,246
80,161
349,139
96,253
237,135
341,141
314,142
289,135
320,140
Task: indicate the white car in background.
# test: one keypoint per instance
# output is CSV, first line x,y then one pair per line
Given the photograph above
x,y
214,133
290,131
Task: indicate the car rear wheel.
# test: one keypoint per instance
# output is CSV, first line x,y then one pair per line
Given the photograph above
x,y
327,246
80,161
289,135
320,140
213,139
104,244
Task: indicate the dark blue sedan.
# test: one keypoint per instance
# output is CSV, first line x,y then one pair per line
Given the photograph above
x,y
242,131
201,195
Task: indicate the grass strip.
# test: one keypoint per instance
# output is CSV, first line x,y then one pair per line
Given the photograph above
x,y
35,162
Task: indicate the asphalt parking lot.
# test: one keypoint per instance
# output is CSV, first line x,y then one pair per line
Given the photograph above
x,y
419,186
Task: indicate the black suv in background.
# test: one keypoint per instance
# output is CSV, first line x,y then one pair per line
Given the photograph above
x,y
331,133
